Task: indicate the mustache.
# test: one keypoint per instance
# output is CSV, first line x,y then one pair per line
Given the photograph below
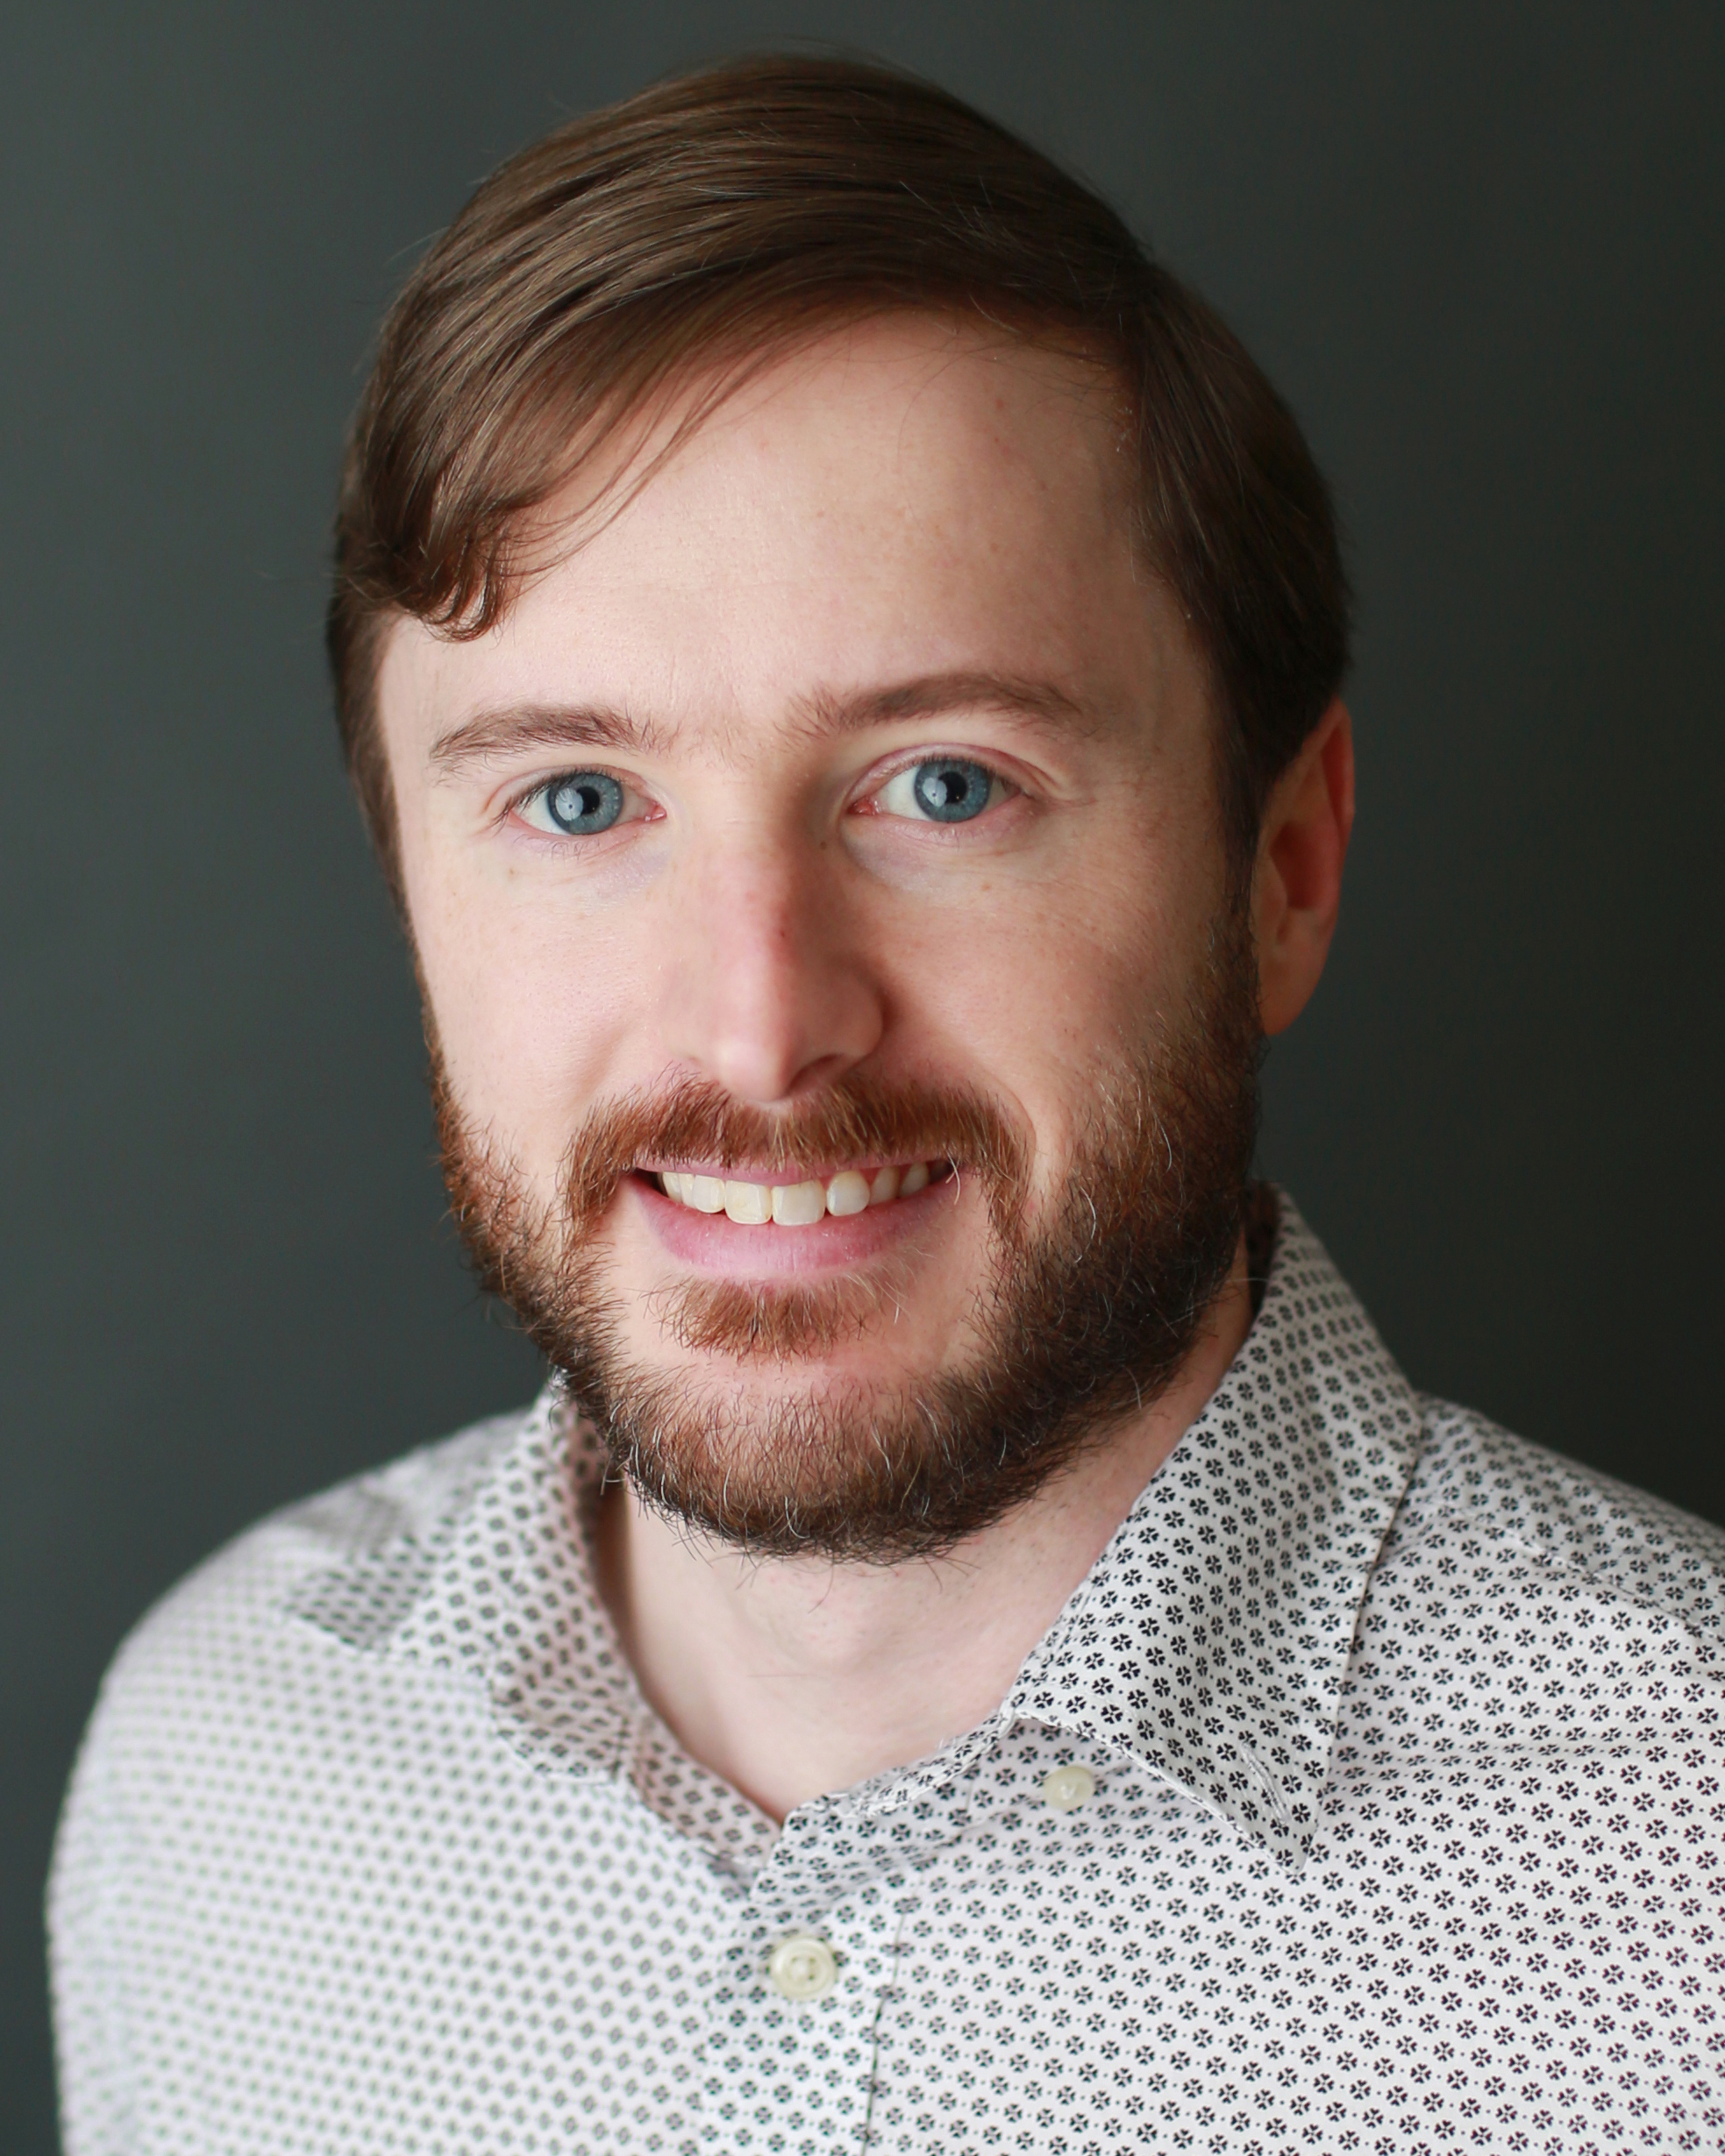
x,y
858,1117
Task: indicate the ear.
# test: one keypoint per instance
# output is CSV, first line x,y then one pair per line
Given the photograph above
x,y
1297,884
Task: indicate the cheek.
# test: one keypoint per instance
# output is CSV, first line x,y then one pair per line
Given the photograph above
x,y
530,1010
1039,990
1078,956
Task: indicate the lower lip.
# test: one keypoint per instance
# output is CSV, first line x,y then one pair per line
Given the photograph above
x,y
713,1242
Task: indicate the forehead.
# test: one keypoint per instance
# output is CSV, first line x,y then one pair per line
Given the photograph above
x,y
897,499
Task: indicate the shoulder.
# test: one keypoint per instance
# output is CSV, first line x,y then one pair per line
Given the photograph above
x,y
226,1727
1477,1487
233,1611
1526,1610
1511,1571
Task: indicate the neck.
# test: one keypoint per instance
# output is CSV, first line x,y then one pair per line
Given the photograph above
x,y
792,1677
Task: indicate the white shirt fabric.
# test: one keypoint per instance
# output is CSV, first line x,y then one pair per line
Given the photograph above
x,y
1400,1827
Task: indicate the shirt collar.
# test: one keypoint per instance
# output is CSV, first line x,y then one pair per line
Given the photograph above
x,y
1210,1640
1206,1645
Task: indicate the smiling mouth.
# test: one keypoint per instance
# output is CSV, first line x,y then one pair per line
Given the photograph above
x,y
798,1205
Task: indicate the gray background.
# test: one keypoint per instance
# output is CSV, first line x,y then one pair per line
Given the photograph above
x,y
1479,246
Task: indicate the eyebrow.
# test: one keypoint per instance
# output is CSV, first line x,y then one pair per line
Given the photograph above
x,y
824,714
929,695
492,735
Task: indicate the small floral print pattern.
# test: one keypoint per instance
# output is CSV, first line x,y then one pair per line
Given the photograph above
x,y
1403,1831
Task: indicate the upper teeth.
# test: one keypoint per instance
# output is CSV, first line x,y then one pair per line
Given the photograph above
x,y
795,1205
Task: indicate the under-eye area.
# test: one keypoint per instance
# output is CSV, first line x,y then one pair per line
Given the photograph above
x,y
801,1205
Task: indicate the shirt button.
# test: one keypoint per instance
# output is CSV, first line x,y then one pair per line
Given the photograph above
x,y
802,1966
1068,1788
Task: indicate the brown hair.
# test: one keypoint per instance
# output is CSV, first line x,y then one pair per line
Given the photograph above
x,y
713,218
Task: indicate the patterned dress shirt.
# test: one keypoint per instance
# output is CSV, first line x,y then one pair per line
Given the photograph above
x,y
1367,1796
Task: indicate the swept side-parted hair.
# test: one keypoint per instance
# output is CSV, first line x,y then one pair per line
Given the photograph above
x,y
697,230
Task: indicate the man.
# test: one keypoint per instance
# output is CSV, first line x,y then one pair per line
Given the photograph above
x,y
978,1646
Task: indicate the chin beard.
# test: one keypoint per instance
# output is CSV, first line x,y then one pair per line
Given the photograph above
x,y
1079,1320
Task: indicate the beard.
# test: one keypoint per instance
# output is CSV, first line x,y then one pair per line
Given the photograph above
x,y
1079,1319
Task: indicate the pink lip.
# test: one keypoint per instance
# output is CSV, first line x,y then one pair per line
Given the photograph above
x,y
713,1243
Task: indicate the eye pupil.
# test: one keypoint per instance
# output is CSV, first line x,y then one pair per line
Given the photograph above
x,y
952,791
584,801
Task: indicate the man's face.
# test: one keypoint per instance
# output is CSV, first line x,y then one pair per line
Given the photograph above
x,y
833,833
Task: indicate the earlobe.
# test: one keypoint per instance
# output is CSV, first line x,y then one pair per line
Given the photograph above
x,y
1297,891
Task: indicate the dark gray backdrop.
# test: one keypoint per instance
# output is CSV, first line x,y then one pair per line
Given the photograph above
x,y
1479,246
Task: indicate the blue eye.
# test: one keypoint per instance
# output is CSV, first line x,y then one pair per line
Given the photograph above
x,y
950,791
947,789
583,801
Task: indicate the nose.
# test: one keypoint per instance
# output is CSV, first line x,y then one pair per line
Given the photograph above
x,y
770,993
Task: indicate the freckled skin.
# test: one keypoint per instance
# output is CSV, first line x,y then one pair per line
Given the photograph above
x,y
897,501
